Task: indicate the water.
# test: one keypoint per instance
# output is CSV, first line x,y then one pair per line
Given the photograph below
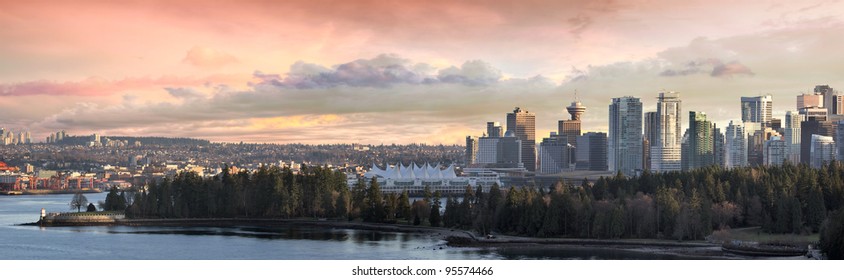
x,y
120,242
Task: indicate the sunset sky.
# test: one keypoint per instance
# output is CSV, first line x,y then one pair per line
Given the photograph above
x,y
395,71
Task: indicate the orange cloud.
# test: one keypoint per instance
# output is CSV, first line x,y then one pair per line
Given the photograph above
x,y
208,57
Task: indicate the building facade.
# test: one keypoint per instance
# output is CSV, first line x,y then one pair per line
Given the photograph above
x,y
624,143
667,151
523,125
735,146
822,150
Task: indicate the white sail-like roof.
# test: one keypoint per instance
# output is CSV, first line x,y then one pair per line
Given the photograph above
x,y
413,171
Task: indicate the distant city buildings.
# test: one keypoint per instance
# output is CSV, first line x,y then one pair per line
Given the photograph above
x,y
8,137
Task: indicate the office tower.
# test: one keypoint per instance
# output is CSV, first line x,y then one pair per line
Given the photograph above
x,y
649,138
839,138
837,104
667,151
827,93
809,101
553,154
624,143
493,129
811,127
592,151
510,150
700,141
471,150
791,136
523,126
822,150
735,146
718,147
487,150
776,124
819,114
757,109
775,151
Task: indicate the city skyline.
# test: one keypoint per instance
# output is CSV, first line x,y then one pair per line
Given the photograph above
x,y
328,72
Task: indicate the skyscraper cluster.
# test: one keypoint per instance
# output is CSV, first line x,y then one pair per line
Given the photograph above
x,y
8,137
637,140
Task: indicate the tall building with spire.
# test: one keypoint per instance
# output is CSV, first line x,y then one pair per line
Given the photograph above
x,y
523,125
666,153
624,140
570,129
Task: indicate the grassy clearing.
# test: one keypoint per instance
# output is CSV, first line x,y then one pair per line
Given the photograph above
x,y
756,234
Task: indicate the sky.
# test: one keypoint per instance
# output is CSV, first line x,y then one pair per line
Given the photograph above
x,y
399,72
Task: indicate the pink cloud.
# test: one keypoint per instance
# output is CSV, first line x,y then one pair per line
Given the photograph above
x,y
102,87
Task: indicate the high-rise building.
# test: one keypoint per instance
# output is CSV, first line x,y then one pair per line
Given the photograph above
x,y
819,114
649,138
827,92
718,147
735,146
499,151
570,129
667,152
487,150
553,154
493,129
810,127
837,104
839,138
523,126
822,150
775,151
471,150
510,150
592,151
700,141
791,136
809,101
624,143
757,109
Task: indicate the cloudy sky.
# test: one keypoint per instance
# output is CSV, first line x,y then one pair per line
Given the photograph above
x,y
395,71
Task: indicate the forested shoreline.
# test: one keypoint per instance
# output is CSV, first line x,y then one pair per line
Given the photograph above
x,y
675,205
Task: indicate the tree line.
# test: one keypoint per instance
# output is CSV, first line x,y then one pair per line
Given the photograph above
x,y
673,205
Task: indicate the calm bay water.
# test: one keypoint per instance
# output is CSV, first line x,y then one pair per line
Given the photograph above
x,y
98,243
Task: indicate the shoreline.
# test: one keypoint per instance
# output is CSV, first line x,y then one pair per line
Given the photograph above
x,y
452,237
48,192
